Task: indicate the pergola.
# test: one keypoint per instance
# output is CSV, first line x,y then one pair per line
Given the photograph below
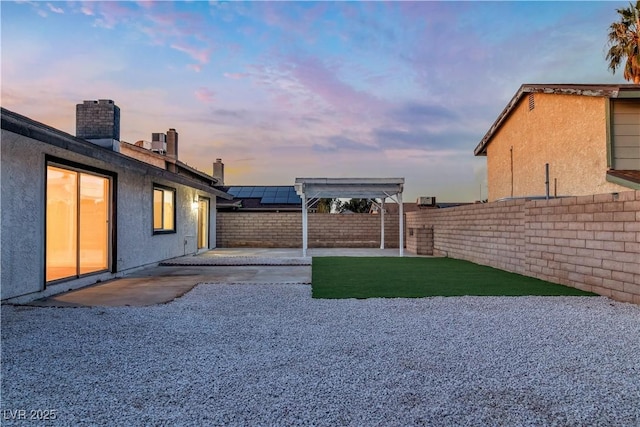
x,y
312,189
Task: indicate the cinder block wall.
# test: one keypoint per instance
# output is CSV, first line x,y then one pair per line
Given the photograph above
x,y
259,229
284,230
489,234
419,238
589,242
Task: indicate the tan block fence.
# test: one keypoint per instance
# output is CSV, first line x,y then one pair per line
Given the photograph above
x,y
590,242
284,230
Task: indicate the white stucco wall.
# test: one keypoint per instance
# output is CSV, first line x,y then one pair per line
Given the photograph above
x,y
22,212
22,204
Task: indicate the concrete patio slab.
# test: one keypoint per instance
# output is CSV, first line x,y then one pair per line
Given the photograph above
x,y
162,284
132,291
175,277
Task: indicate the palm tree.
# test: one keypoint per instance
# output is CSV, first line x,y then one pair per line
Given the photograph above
x,y
624,42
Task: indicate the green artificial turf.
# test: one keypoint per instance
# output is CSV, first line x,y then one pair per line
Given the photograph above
x,y
376,277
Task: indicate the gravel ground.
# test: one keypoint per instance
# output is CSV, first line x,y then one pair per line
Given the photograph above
x,y
271,355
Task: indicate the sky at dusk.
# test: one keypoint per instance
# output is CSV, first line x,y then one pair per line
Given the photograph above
x,y
281,90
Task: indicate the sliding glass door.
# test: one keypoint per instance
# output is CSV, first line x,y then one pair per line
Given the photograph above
x,y
78,226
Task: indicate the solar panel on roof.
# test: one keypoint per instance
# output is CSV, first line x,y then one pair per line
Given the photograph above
x,y
285,195
257,192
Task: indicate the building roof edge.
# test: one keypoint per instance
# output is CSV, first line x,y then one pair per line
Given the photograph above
x,y
597,90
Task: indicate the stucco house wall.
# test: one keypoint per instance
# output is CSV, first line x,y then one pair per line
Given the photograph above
x,y
23,172
567,131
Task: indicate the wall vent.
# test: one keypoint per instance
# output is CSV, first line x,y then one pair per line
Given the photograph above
x,y
532,103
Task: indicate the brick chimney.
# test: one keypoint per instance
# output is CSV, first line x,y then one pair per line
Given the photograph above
x,y
218,171
172,143
99,123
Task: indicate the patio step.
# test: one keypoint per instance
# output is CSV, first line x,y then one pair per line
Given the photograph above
x,y
235,261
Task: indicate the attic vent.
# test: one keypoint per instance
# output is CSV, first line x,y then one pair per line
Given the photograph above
x,y
532,104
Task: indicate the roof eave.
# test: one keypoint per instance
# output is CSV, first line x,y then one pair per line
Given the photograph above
x,y
481,148
22,125
603,90
631,182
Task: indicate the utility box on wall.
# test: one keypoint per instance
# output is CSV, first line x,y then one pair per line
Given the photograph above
x,y
420,240
426,201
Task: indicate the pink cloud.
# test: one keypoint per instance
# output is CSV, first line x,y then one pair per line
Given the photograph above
x,y
162,24
54,9
205,95
147,4
163,20
199,54
112,13
235,76
159,21
299,23
317,78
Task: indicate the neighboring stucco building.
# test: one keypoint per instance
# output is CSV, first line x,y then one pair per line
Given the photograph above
x,y
588,134
76,212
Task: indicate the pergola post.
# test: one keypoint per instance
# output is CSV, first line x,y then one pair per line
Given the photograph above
x,y
304,225
382,224
401,221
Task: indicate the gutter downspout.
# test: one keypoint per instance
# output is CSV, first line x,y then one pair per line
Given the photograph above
x,y
546,179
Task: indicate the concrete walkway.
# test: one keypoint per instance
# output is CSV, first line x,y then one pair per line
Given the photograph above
x,y
173,278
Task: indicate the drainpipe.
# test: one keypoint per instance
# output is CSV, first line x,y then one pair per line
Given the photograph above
x,y
546,179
